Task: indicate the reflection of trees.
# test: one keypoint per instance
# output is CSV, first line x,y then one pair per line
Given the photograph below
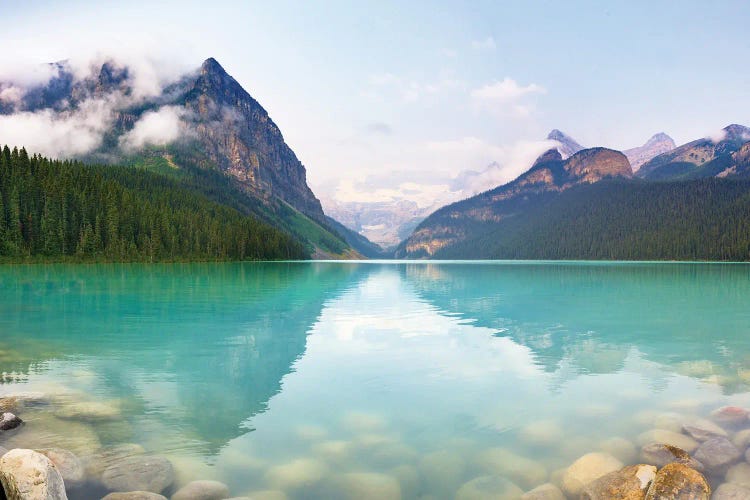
x,y
219,337
591,315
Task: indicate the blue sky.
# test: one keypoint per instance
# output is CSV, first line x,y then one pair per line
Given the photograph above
x,y
386,99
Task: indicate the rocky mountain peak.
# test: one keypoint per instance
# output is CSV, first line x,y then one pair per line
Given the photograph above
x,y
736,131
548,156
567,145
656,145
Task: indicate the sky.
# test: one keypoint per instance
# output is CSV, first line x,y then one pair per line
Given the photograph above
x,y
390,99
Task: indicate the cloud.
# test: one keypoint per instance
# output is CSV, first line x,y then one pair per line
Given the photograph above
x,y
506,90
409,89
378,128
155,128
485,44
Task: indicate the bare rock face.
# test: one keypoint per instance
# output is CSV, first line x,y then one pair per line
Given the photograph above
x,y
678,482
628,483
28,475
658,144
595,164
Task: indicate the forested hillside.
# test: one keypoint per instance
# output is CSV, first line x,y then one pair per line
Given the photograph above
x,y
706,219
54,210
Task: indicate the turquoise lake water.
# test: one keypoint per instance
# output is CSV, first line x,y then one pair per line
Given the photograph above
x,y
339,380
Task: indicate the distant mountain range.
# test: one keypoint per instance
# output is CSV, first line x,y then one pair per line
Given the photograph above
x,y
658,144
591,206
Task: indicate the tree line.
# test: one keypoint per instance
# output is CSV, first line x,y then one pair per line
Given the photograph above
x,y
53,209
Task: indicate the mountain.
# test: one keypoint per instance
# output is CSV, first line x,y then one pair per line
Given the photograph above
x,y
199,123
706,157
567,146
658,144
550,175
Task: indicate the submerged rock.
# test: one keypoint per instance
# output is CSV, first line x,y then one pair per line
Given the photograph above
x,y
628,483
139,473
620,448
678,482
43,430
730,415
542,433
442,471
9,421
68,464
89,411
366,486
659,454
586,470
717,454
701,429
134,495
739,474
489,488
546,491
730,491
300,473
95,465
519,469
263,495
668,437
10,404
202,490
26,475
742,440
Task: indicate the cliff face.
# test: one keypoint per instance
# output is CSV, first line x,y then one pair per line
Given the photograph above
x,y
549,175
237,134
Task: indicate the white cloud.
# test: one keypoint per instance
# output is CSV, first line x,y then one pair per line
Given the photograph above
x,y
155,128
717,136
409,89
485,44
506,90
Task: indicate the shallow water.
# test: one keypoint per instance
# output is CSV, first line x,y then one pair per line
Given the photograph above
x,y
339,380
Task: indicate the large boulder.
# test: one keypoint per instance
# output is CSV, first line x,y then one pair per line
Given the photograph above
x,y
717,454
28,475
586,470
628,483
67,464
139,473
678,482
202,490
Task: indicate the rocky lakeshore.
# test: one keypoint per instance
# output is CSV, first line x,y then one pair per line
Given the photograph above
x,y
680,457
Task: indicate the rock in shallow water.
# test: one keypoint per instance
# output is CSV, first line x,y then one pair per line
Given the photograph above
x,y
547,491
9,421
67,464
134,495
659,454
202,490
730,491
366,486
139,473
26,475
701,429
730,415
628,483
96,464
717,454
300,473
489,488
587,469
89,411
668,437
519,469
739,474
620,448
678,482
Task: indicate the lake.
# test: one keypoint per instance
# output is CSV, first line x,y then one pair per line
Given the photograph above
x,y
349,379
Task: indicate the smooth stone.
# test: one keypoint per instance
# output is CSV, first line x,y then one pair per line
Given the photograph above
x,y
95,465
521,470
67,463
139,473
489,488
742,439
546,491
739,474
717,454
202,490
299,473
134,495
730,415
669,422
620,448
89,411
668,437
586,470
628,483
678,482
265,495
731,491
701,429
28,475
541,433
442,471
366,486
659,454
9,421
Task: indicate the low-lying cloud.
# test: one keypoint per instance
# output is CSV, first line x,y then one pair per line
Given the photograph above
x,y
155,128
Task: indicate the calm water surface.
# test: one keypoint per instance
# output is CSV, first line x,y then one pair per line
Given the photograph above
x,y
338,380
